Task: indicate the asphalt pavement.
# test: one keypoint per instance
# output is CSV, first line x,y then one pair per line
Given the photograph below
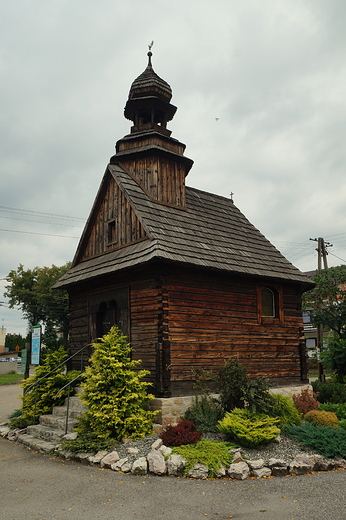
x,y
43,487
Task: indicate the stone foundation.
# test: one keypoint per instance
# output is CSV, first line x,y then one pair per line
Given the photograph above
x,y
171,409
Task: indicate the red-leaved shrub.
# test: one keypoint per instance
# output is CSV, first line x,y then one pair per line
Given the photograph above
x,y
183,433
305,401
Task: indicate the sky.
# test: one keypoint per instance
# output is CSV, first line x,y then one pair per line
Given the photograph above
x,y
261,97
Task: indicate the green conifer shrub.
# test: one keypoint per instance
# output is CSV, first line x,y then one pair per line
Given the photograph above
x,y
212,454
114,392
285,410
250,429
338,408
47,389
329,442
205,413
330,392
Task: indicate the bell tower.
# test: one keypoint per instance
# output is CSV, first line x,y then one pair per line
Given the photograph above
x,y
149,153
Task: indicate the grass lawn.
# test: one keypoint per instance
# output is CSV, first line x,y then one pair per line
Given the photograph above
x,y
5,379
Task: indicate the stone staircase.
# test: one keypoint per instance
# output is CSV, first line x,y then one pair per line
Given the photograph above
x,y
51,429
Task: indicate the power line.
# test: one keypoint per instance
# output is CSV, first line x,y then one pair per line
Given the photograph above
x,y
34,233
39,221
19,210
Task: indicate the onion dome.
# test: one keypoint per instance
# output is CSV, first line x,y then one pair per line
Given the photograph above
x,y
150,84
148,104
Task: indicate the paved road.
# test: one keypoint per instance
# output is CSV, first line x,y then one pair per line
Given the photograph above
x,y
40,487
9,400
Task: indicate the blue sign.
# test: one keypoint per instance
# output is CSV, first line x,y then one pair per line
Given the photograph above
x,y
35,345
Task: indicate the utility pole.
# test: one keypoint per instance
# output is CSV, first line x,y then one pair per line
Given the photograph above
x,y
321,254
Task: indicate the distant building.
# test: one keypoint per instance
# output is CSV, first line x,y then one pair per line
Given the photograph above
x,y
2,339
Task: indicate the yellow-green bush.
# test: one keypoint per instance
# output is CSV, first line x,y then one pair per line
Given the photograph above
x,y
322,418
250,429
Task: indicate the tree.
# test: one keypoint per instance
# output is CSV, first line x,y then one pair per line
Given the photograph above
x,y
31,290
326,305
13,341
114,392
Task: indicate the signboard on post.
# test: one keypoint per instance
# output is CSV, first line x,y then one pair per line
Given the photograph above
x,y
24,358
35,344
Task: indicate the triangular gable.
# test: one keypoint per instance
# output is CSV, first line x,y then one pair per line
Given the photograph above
x,y
112,223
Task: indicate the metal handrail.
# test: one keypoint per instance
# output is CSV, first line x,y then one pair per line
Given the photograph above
x,y
50,372
68,398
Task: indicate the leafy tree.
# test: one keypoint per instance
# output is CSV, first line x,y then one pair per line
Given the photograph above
x,y
12,341
326,304
31,290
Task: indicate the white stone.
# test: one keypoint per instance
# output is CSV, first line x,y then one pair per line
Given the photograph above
x,y
198,471
175,465
277,463
157,464
96,459
117,466
256,464
239,471
301,464
157,444
237,457
165,450
261,472
109,459
132,451
4,430
140,466
221,472
70,436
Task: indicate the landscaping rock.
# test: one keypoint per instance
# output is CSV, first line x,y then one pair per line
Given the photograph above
x,y
70,436
301,464
132,451
255,464
279,471
175,465
239,471
261,472
277,463
109,459
4,430
140,466
157,444
156,461
221,472
198,471
96,459
165,450
83,457
122,465
237,457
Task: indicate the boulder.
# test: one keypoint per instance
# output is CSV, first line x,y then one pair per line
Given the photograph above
x,y
156,461
301,464
157,444
96,459
122,465
175,465
109,459
279,471
140,466
239,471
165,450
70,436
132,451
221,472
255,464
277,463
198,471
261,472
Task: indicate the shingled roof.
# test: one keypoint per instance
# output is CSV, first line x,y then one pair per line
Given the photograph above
x,y
211,233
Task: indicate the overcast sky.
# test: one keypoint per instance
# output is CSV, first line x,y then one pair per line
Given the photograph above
x,y
260,87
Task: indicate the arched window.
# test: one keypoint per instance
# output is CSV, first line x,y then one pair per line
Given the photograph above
x,y
268,298
106,317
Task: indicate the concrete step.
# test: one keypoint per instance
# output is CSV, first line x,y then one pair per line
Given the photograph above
x,y
60,411
57,423
45,433
76,404
36,444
